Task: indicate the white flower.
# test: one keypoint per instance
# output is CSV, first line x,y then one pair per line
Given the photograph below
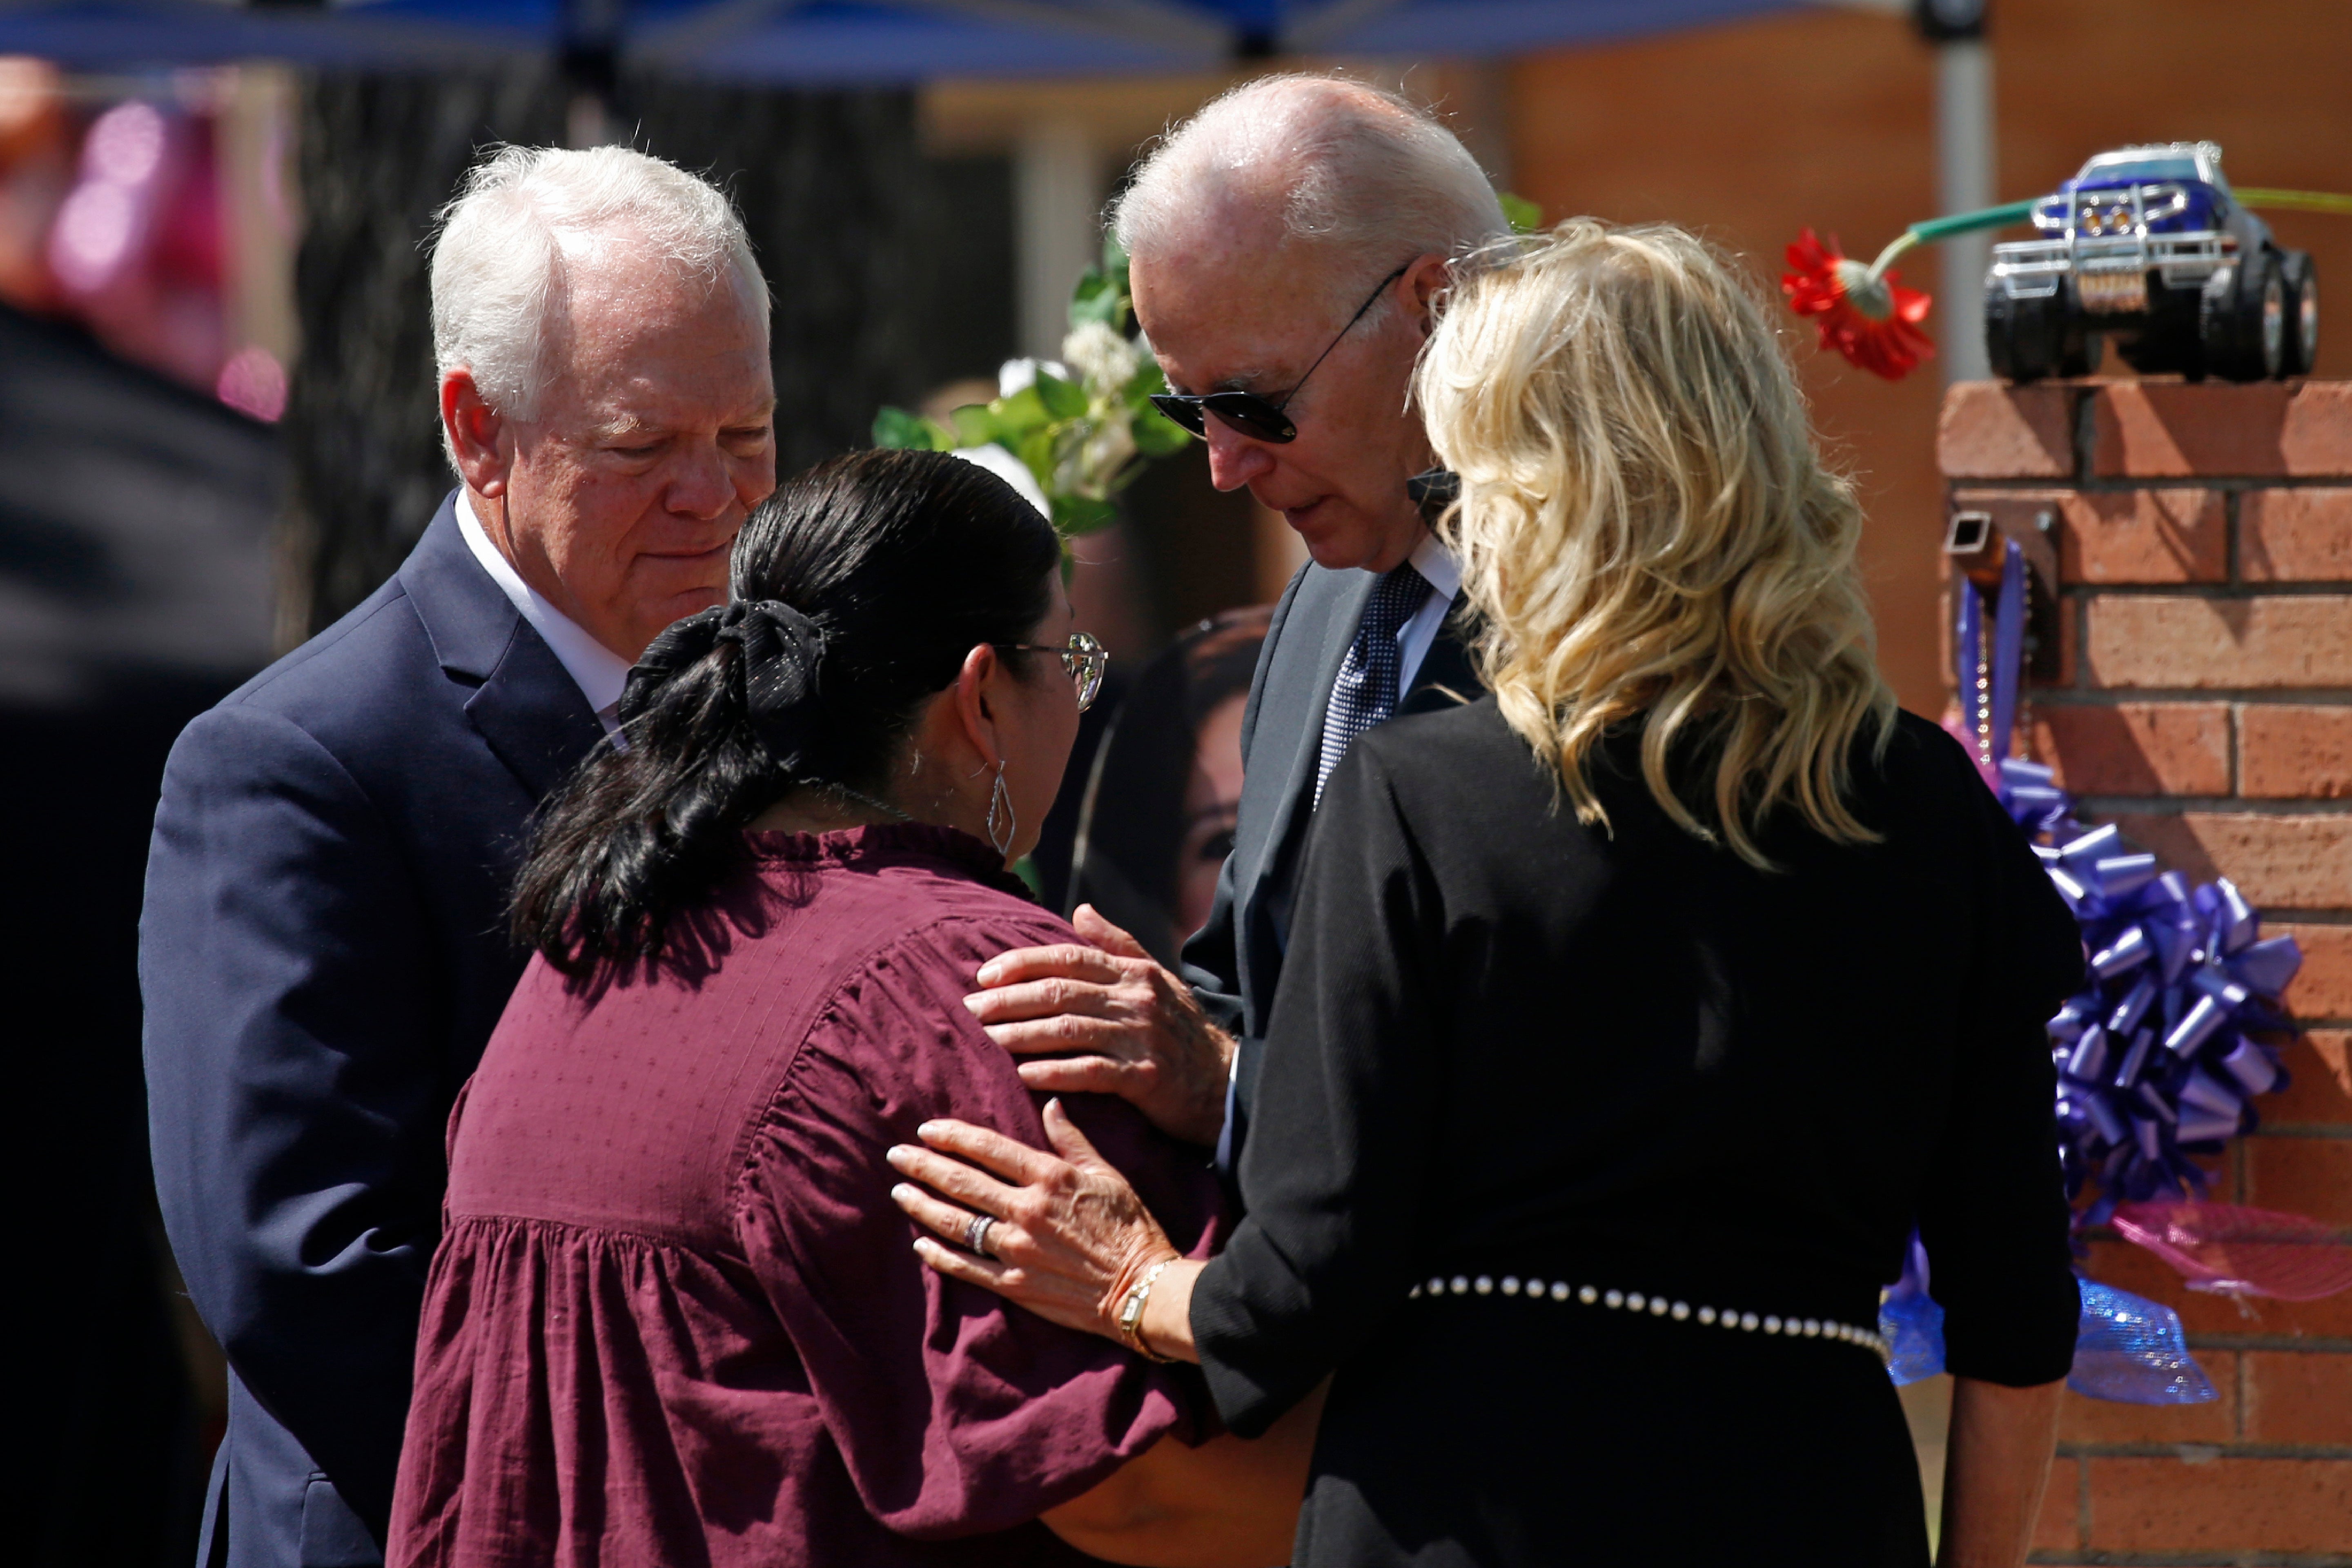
x,y
1101,355
1009,469
1089,470
1020,374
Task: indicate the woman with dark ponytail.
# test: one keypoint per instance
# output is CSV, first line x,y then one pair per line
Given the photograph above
x,y
674,1317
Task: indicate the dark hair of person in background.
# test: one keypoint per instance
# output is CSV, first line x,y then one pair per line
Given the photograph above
x,y
1159,814
893,564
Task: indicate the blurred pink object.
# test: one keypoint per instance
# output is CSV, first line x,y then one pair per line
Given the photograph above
x,y
2238,1251
1960,732
125,146
136,247
102,230
253,383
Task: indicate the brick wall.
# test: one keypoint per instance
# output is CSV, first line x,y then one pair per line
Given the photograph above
x,y
2194,547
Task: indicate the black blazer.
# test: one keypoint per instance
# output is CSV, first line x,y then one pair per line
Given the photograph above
x,y
1233,961
1509,1046
322,956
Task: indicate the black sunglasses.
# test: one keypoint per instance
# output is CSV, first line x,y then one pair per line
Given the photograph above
x,y
1261,419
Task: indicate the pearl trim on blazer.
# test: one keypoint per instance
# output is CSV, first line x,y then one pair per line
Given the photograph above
x,y
1659,1307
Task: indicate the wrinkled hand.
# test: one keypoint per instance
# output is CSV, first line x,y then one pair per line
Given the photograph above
x,y
1072,1237
1133,1029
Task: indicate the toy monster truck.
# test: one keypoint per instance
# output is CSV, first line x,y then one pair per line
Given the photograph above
x,y
2149,247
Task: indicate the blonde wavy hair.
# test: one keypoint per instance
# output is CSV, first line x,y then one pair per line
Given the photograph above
x,y
1648,531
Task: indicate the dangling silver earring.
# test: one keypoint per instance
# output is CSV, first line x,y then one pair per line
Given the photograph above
x,y
1001,799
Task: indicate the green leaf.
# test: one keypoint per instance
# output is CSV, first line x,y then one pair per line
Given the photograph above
x,y
1019,415
1148,379
897,428
1525,217
1037,450
1077,514
1099,297
1062,399
1102,291
1156,435
975,424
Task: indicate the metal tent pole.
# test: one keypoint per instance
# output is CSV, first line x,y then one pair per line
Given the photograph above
x,y
1964,174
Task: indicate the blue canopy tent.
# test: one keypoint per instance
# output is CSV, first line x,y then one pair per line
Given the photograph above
x,y
828,42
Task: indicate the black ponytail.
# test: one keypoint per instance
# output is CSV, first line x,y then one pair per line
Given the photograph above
x,y
858,588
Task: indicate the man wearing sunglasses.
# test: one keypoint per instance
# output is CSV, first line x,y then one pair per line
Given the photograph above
x,y
1285,245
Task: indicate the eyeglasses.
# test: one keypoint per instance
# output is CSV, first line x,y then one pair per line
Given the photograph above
x,y
1082,660
1261,419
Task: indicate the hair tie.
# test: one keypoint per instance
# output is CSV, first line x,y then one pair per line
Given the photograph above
x,y
777,674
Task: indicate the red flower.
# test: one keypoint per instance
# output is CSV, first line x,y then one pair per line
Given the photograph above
x,y
1871,320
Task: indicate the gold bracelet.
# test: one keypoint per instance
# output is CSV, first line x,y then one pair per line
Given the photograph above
x,y
1130,1312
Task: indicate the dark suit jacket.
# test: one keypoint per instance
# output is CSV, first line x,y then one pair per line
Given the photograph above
x,y
1233,961
322,956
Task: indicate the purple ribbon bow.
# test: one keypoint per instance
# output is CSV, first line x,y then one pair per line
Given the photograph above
x,y
2159,1056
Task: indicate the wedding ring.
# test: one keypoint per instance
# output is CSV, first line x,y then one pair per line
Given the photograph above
x,y
975,1235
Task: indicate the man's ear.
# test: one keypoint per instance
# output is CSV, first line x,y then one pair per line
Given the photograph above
x,y
973,710
1428,279
477,434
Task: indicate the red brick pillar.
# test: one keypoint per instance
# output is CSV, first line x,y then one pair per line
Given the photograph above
x,y
2192,548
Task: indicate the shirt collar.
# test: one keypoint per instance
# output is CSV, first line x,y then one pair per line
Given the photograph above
x,y
597,670
1436,565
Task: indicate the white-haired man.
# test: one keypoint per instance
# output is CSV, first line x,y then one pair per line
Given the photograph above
x,y
323,954
1285,245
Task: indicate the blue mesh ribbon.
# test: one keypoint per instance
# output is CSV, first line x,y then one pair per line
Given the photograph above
x,y
2132,1350
2126,1348
1911,1322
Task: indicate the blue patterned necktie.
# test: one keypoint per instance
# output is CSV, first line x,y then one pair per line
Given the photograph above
x,y
1366,692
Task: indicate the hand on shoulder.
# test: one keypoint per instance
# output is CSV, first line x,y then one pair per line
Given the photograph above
x,y
1107,1018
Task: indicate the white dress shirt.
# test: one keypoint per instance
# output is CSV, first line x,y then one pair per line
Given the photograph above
x,y
597,670
1417,635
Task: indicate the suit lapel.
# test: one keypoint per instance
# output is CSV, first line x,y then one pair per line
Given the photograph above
x,y
526,706
532,715
1328,623
1446,677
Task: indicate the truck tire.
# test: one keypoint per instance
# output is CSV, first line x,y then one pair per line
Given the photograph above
x,y
2165,340
2080,352
2243,322
2023,338
2299,285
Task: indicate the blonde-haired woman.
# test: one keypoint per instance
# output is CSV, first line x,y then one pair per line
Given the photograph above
x,y
1632,1016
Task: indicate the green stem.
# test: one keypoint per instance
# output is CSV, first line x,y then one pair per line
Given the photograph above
x,y
1944,229
1895,247
2297,201
1928,231
1968,223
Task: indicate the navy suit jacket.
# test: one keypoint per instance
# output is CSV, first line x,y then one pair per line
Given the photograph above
x,y
322,956
1234,960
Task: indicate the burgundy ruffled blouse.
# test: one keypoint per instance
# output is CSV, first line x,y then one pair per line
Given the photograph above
x,y
674,1317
